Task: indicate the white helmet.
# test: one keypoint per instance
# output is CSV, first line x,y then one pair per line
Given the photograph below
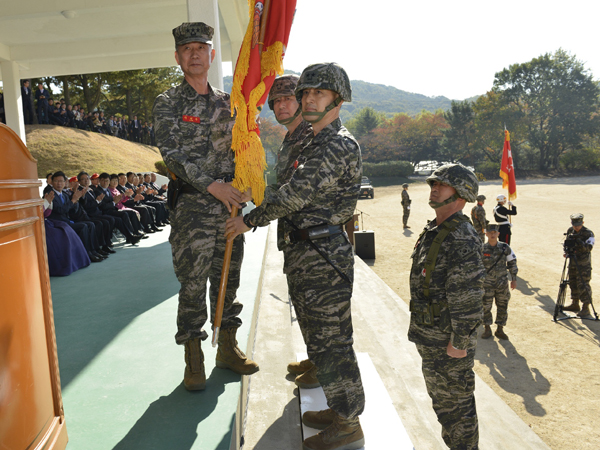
x,y
501,198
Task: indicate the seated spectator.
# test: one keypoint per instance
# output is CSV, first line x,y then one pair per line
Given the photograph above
x,y
95,180
66,253
70,116
53,114
48,186
73,184
147,213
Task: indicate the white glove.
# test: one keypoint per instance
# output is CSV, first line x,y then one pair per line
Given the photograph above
x,y
510,204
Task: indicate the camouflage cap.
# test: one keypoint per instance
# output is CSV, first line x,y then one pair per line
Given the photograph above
x,y
405,185
193,32
577,219
492,227
283,86
459,177
480,197
329,76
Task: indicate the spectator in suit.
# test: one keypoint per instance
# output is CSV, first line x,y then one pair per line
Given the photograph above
x,y
41,97
135,128
62,205
70,116
129,215
27,103
160,189
146,212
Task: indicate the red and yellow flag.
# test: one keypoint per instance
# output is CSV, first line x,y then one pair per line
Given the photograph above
x,y
260,59
507,169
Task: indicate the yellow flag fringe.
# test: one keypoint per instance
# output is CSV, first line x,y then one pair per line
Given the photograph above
x,y
250,162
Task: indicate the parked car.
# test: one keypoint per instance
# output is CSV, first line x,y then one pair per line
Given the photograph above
x,y
366,190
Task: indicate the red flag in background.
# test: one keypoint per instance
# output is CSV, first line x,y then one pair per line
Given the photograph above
x,y
507,169
260,59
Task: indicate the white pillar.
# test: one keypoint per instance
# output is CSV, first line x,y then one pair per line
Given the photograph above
x,y
207,11
13,106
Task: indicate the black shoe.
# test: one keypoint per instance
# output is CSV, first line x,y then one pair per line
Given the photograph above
x,y
99,255
149,231
94,258
156,229
133,240
108,250
103,253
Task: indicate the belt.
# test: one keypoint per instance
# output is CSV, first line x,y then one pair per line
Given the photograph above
x,y
313,233
187,188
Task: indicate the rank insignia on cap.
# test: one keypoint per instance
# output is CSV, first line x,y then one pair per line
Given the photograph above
x,y
192,119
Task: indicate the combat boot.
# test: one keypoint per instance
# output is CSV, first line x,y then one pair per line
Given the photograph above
x,y
574,306
299,367
318,420
500,334
487,332
229,355
343,434
194,378
308,380
585,310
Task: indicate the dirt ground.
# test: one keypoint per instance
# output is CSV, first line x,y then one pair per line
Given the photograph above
x,y
548,373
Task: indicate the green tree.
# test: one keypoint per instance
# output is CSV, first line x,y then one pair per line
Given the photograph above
x,y
459,137
365,122
558,99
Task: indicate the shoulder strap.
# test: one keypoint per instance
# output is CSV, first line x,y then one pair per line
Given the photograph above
x,y
447,228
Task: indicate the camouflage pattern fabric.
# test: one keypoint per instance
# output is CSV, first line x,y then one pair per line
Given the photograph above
x,y
329,76
456,285
323,189
283,86
479,222
496,280
450,383
579,280
463,180
193,32
405,207
193,133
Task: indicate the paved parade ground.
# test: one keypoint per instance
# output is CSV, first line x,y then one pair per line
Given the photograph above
x,y
121,370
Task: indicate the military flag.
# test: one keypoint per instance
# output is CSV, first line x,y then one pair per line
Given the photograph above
x,y
260,60
507,169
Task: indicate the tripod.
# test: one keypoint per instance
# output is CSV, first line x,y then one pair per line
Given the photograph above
x,y
562,293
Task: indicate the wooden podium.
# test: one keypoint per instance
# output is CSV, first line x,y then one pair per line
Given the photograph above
x,y
31,410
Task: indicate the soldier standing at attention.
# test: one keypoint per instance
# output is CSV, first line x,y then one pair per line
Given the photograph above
x,y
318,200
478,217
501,213
285,106
580,266
446,290
405,205
497,258
193,132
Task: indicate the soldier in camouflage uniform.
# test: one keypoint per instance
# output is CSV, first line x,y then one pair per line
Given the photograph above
x,y
478,217
497,258
318,200
285,106
580,266
193,132
446,288
405,205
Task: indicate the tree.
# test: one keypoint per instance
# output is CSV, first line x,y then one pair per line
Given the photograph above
x,y
558,100
365,122
459,137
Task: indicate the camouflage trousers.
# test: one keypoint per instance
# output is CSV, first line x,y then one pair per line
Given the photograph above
x,y
579,282
322,301
198,248
498,290
451,385
405,215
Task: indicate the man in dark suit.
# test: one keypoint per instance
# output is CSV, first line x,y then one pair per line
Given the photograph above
x,y
135,128
27,103
146,212
42,96
139,191
62,205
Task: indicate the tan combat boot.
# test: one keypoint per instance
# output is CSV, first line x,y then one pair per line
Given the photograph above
x,y
194,378
500,334
298,368
308,380
343,434
585,310
229,355
487,332
319,420
574,306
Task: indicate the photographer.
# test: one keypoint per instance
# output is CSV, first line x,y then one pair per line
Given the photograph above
x,y
578,246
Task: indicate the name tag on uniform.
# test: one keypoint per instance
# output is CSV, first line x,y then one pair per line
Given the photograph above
x,y
487,254
192,119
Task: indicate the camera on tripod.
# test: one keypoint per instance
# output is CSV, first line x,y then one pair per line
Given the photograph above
x,y
570,244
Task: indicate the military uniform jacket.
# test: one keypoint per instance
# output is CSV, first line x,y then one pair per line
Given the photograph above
x,y
497,271
585,242
405,199
287,163
193,133
478,218
456,285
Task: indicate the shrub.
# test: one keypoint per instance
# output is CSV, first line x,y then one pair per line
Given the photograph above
x,y
581,159
489,169
388,169
161,168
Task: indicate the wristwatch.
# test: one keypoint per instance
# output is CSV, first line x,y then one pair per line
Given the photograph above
x,y
247,222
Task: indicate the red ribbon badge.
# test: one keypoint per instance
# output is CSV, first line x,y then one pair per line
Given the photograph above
x,y
192,119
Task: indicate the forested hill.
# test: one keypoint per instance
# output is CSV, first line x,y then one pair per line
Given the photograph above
x,y
386,99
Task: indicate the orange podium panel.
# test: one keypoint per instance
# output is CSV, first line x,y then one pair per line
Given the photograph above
x,y
31,410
